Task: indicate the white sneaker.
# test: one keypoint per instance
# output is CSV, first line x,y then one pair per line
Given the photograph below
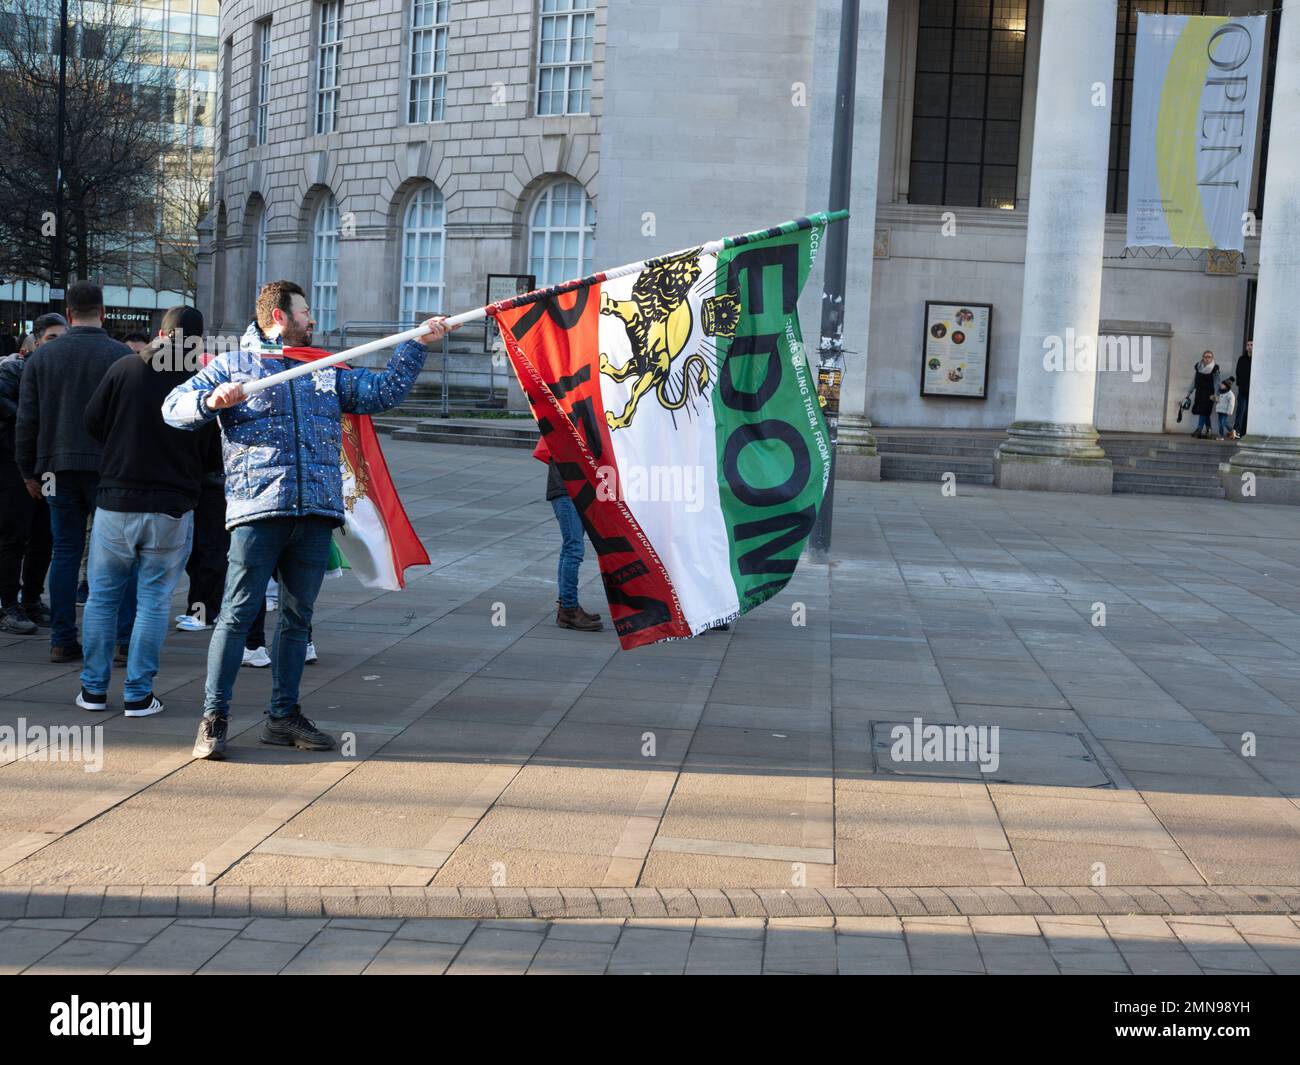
x,y
189,623
311,654
258,659
143,707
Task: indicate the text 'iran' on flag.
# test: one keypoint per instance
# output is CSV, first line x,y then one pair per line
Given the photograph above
x,y
677,400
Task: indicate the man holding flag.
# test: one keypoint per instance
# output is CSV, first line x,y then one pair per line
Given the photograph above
x,y
284,492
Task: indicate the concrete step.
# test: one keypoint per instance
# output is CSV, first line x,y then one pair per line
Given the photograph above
x,y
1207,452
521,427
888,438
1167,482
936,446
453,436
1172,461
894,467
1160,488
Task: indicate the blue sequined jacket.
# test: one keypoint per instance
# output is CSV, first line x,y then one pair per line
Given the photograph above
x,y
281,446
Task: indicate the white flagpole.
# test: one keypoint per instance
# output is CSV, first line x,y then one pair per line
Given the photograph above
x,y
711,248
419,331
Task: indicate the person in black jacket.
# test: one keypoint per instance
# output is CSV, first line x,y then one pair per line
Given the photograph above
x,y
24,522
1243,386
1204,393
58,458
149,483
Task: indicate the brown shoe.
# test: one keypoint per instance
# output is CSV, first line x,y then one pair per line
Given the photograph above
x,y
120,653
66,653
585,613
575,618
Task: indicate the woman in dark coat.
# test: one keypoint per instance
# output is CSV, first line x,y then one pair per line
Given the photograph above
x,y
1204,393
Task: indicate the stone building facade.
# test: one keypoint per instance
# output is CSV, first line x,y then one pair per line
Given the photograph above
x,y
938,215
398,151
706,119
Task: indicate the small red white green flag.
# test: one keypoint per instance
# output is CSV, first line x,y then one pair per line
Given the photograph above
x,y
376,541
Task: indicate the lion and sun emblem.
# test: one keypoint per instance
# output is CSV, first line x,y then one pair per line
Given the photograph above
x,y
660,323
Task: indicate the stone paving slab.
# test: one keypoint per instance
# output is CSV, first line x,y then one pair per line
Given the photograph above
x,y
1235,944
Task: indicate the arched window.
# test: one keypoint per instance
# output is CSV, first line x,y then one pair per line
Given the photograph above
x,y
259,251
325,264
422,238
560,234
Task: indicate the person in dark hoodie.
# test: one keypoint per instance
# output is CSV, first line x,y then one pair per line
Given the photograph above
x,y
150,479
58,459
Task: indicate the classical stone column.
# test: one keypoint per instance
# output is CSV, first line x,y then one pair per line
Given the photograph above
x,y
1267,468
855,453
1053,443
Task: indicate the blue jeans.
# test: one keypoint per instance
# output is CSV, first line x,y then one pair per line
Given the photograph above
x,y
571,550
300,549
70,503
1243,402
122,546
1203,422
1225,426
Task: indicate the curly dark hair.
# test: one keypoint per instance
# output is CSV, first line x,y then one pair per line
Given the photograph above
x,y
276,294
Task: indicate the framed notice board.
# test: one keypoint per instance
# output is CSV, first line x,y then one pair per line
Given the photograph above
x,y
503,287
955,349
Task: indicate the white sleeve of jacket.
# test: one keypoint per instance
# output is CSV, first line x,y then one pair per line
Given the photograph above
x,y
186,405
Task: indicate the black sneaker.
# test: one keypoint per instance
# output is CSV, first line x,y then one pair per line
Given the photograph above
x,y
145,707
211,742
89,700
65,653
14,619
296,731
38,613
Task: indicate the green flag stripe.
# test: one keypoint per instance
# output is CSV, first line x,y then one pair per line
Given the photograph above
x,y
772,445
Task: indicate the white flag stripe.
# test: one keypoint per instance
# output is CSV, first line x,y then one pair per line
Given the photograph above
x,y
674,453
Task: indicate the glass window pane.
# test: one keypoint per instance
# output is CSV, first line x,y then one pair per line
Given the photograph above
x,y
971,52
967,102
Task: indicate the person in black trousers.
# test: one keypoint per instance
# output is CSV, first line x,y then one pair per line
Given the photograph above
x,y
59,459
1204,394
206,567
25,541
1243,386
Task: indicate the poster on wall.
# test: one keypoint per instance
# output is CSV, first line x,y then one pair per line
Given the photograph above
x,y
503,287
955,349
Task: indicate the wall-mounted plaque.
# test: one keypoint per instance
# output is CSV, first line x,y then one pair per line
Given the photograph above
x,y
955,349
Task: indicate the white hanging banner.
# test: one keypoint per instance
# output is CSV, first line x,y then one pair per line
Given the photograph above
x,y
1196,93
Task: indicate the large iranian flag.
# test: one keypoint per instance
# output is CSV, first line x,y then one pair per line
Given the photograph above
x,y
678,402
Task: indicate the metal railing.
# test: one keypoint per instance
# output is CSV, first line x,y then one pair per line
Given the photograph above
x,y
472,364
